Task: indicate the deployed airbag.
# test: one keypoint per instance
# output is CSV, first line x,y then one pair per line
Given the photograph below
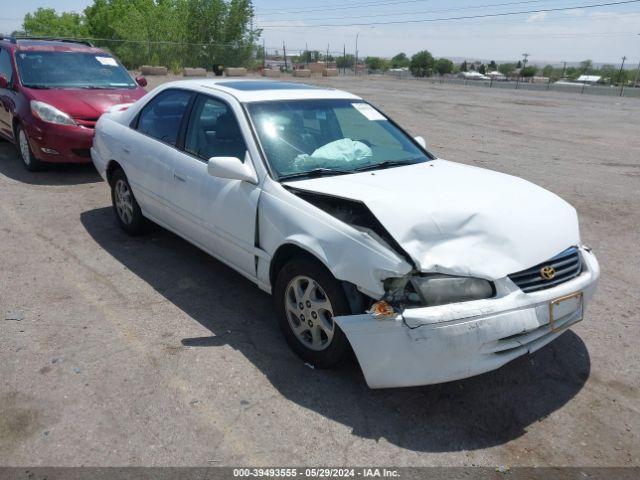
x,y
335,154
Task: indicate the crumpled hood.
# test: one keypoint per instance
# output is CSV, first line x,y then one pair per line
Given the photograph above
x,y
84,103
458,219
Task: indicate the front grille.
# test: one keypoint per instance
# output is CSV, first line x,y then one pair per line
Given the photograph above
x,y
567,265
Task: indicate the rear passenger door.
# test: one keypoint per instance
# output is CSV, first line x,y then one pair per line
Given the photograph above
x,y
149,152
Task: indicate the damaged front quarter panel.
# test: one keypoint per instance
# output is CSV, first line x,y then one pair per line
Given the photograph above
x,y
337,233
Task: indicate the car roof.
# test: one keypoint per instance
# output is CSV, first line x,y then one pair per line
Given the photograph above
x,y
43,45
257,90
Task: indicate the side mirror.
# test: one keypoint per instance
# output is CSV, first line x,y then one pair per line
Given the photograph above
x,y
420,141
141,81
3,82
232,168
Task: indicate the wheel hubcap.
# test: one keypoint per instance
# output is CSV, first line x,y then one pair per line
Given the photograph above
x,y
309,313
124,201
24,148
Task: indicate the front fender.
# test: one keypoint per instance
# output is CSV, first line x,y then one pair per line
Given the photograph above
x,y
349,254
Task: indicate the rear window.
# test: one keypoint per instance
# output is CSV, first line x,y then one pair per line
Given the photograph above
x,y
162,116
51,69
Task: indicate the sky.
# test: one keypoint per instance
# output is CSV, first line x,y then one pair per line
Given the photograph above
x,y
603,34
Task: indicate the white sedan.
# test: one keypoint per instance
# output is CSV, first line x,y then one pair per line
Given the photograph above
x,y
429,270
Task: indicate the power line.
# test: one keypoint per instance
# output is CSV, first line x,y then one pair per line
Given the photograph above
x,y
481,23
386,14
318,8
486,15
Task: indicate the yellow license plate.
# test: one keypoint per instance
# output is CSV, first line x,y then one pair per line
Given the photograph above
x,y
563,306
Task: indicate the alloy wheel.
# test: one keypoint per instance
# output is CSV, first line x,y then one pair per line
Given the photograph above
x,y
25,151
124,201
309,312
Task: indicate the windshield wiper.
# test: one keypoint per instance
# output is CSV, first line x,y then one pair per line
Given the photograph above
x,y
386,164
316,172
37,86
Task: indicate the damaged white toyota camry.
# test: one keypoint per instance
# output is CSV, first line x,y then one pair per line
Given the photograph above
x,y
430,270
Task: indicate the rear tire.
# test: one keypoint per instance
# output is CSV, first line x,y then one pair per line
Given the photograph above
x,y
125,207
29,160
307,297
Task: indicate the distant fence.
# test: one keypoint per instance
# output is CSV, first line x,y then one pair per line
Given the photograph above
x,y
578,88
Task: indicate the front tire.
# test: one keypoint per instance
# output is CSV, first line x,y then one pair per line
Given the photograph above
x,y
307,297
125,206
29,161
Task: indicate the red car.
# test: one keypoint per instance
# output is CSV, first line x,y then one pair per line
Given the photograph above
x,y
52,94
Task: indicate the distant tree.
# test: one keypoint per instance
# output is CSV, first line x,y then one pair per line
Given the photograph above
x,y
572,73
586,66
506,68
346,61
492,66
529,71
464,67
47,22
482,69
203,32
422,64
310,56
548,71
376,63
621,77
400,61
519,64
444,66
608,72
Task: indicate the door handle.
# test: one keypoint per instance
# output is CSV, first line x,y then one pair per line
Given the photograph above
x,y
126,150
178,177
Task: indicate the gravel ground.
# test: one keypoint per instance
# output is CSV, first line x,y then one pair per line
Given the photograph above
x,y
144,351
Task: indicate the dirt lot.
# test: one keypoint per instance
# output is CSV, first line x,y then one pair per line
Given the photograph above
x,y
122,351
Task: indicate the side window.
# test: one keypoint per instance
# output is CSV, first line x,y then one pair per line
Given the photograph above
x,y
162,116
214,131
6,69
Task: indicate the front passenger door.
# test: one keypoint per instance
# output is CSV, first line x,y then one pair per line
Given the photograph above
x,y
226,209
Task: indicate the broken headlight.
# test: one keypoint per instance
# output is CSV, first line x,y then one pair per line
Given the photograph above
x,y
432,290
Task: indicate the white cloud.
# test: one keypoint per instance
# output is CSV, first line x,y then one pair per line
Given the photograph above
x,y
536,17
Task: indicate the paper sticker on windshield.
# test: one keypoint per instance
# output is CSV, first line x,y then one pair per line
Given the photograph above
x,y
368,111
107,61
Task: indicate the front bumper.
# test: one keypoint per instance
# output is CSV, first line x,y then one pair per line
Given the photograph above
x,y
71,143
438,344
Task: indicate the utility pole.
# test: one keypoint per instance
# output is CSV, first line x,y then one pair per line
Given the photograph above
x,y
264,54
620,76
525,59
564,68
344,59
284,50
326,59
355,68
635,82
306,55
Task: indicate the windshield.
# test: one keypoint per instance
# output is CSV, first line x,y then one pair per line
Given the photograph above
x,y
302,137
71,70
